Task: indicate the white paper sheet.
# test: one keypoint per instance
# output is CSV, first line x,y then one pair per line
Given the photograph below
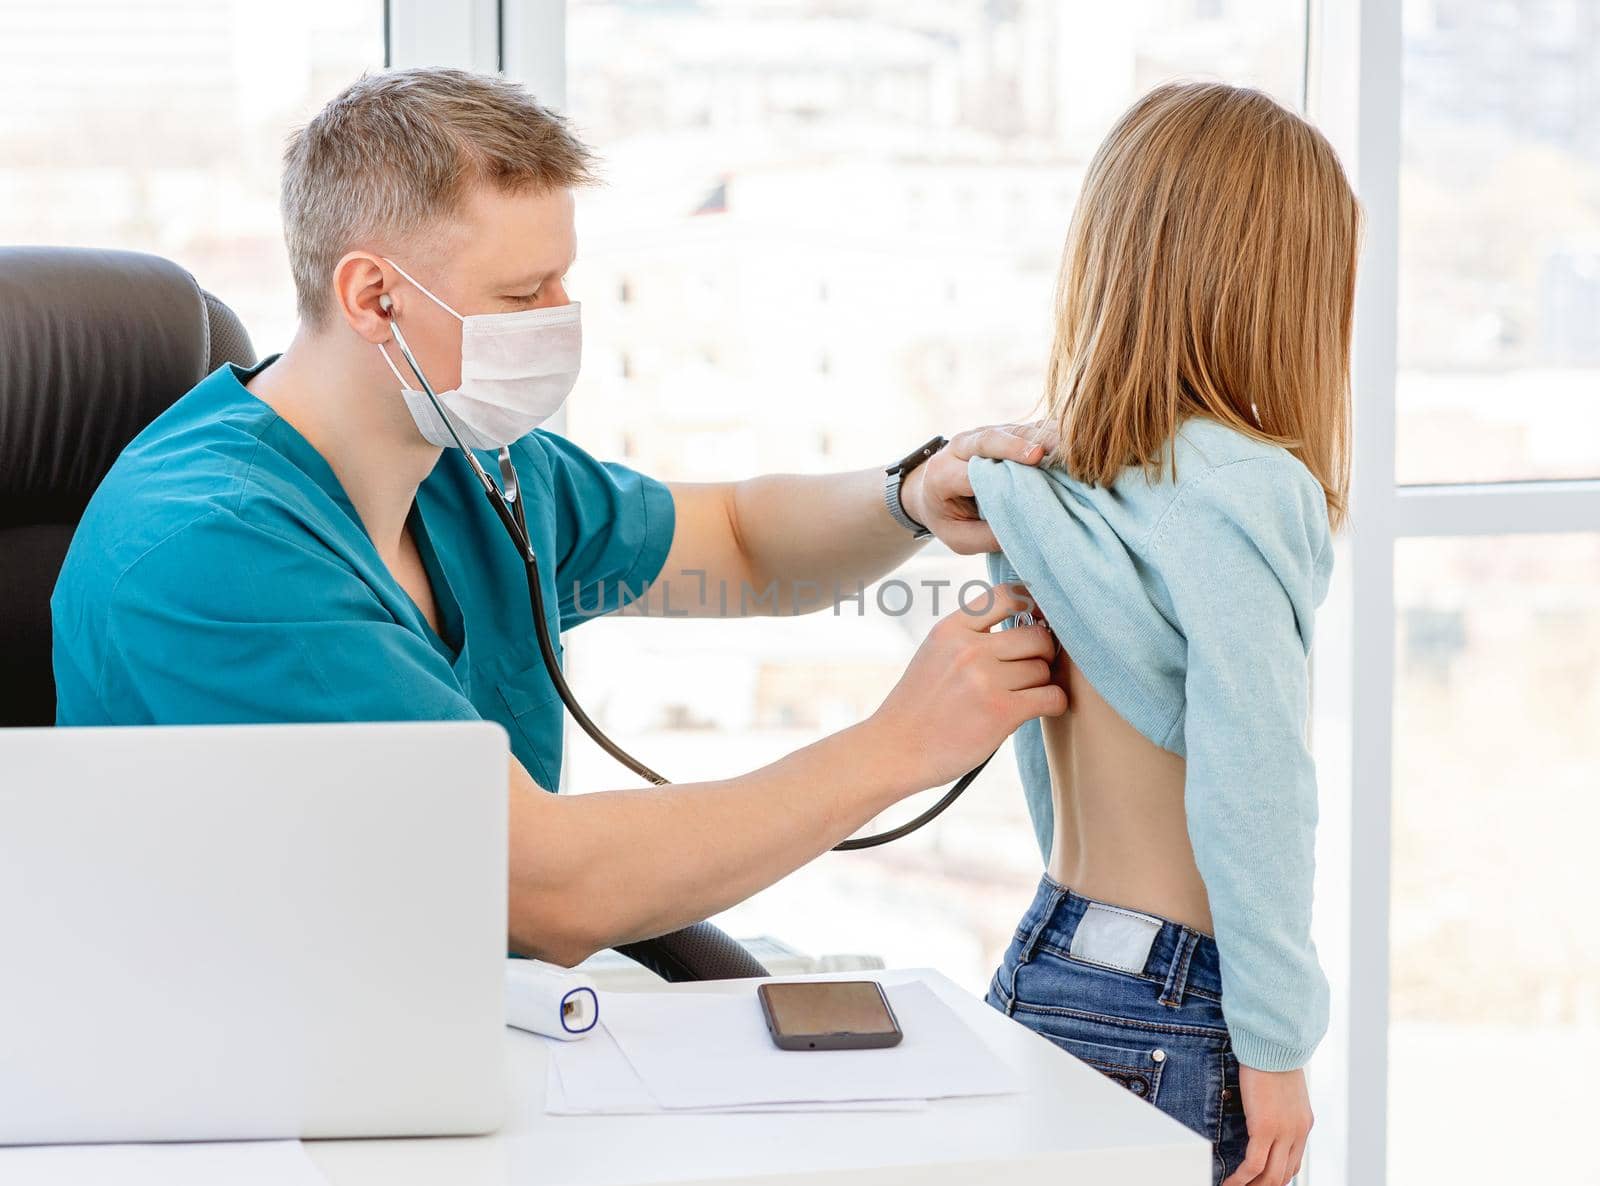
x,y
705,1050
593,1078
235,1163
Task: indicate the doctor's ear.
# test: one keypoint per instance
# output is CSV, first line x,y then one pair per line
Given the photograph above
x,y
361,297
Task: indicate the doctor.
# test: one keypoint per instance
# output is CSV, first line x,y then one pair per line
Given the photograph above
x,y
295,542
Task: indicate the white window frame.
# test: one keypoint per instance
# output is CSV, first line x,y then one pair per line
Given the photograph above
x,y
523,39
1354,91
1358,96
464,34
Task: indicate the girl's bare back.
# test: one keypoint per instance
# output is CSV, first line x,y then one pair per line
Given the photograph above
x,y
1120,831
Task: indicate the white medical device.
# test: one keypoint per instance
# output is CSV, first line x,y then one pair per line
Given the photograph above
x,y
219,933
544,999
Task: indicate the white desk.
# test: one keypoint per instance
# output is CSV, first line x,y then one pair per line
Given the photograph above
x,y
1068,1125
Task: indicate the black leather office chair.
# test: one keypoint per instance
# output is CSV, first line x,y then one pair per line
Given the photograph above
x,y
93,346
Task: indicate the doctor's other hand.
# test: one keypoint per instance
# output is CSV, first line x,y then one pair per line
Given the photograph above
x,y
969,687
938,495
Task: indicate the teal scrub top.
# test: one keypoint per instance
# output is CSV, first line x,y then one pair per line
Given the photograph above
x,y
221,575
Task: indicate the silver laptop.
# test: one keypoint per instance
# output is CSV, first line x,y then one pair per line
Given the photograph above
x,y
217,933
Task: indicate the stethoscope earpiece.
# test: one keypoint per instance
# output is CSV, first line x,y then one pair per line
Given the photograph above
x,y
386,303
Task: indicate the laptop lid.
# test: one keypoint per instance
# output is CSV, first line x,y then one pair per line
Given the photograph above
x,y
232,932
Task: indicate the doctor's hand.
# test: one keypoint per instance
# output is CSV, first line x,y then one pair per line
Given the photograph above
x,y
938,495
968,688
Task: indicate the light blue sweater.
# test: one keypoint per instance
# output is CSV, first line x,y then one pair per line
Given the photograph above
x,y
1187,603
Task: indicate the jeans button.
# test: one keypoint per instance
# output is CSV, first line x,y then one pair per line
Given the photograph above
x,y
1158,1056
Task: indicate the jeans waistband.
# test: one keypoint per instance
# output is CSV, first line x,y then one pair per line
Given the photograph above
x,y
1181,958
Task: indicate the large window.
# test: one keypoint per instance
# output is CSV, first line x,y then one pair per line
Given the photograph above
x,y
159,127
1500,241
1496,639
1495,972
1463,687
830,228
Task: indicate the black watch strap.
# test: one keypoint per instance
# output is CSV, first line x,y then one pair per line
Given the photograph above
x,y
895,476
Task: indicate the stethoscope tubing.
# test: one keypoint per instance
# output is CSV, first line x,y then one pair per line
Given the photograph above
x,y
508,508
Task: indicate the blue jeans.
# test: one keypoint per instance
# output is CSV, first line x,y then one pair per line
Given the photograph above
x,y
1136,997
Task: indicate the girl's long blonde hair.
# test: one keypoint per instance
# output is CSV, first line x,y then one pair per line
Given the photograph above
x,y
1209,271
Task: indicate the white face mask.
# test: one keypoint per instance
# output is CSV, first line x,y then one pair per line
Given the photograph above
x,y
517,369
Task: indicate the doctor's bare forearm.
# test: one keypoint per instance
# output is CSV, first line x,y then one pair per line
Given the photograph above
x,y
593,871
831,529
778,544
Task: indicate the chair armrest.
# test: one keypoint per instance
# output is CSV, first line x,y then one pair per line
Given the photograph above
x,y
697,952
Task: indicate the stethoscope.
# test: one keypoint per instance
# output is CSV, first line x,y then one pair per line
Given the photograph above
x,y
507,504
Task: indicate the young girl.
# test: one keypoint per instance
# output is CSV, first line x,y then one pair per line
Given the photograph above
x,y
1178,545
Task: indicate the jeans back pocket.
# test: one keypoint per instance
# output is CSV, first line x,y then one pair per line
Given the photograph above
x,y
1138,1068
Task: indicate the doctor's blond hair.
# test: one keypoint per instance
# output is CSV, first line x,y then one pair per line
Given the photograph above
x,y
394,154
1209,270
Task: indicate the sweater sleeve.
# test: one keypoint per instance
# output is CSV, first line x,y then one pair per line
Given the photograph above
x,y
1244,552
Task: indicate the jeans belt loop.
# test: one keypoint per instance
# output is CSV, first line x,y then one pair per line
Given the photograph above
x,y
1178,974
1046,913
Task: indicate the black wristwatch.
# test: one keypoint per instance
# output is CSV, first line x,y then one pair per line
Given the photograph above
x,y
895,475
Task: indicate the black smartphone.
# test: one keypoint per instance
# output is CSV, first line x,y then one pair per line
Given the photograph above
x,y
829,1015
